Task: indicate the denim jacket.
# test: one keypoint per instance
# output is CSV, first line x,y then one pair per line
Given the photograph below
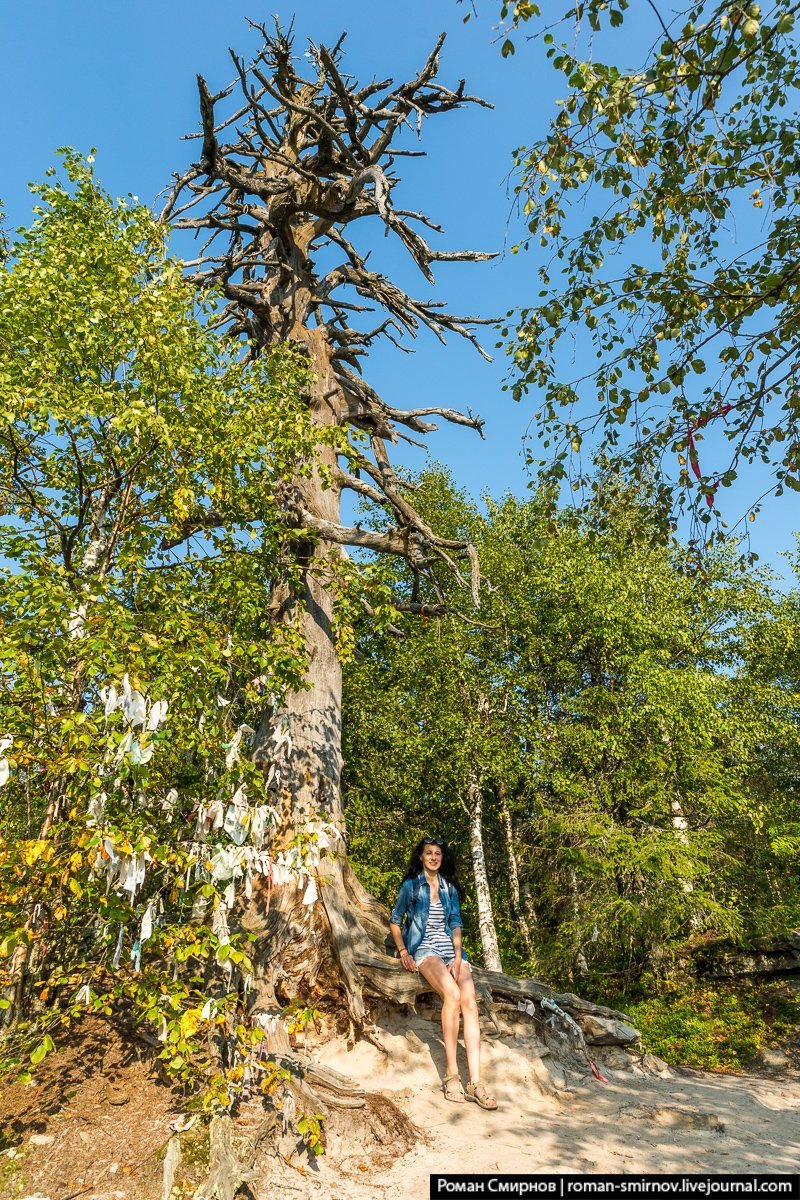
x,y
415,931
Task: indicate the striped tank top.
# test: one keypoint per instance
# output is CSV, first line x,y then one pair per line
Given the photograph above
x,y
438,938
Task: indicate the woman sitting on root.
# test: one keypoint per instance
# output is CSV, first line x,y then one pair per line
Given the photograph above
x,y
429,896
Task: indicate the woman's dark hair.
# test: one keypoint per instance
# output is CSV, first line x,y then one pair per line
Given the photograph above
x,y
447,869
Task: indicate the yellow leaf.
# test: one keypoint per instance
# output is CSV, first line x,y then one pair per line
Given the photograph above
x,y
182,503
190,1023
33,851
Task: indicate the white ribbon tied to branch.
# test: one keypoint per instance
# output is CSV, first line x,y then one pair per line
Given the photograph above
x,y
6,742
233,749
137,710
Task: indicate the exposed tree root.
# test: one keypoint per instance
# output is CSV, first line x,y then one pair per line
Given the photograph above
x,y
327,1088
381,1131
227,1172
172,1160
385,976
340,945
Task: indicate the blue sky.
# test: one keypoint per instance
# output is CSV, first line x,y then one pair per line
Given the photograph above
x,y
121,77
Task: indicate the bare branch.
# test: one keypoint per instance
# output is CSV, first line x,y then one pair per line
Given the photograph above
x,y
361,486
311,156
211,519
368,539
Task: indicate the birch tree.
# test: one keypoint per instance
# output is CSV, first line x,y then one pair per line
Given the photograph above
x,y
662,204
602,681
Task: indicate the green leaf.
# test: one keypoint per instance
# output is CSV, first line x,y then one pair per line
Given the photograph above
x,y
46,1046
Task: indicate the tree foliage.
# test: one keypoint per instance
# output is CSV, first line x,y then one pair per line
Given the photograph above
x,y
605,691
665,200
136,645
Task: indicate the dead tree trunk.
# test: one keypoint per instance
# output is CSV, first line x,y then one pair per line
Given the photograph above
x,y
306,159
311,157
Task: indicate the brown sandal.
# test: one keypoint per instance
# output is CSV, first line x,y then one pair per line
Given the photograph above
x,y
456,1095
484,1100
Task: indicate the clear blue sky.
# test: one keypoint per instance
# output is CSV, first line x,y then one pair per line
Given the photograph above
x,y
121,77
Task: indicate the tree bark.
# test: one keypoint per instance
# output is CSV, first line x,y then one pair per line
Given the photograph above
x,y
491,949
313,714
520,913
581,964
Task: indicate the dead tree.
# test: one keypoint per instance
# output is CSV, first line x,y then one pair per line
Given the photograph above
x,y
279,188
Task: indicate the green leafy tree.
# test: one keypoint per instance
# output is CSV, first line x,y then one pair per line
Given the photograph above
x,y
422,728
769,685
664,198
139,461
604,706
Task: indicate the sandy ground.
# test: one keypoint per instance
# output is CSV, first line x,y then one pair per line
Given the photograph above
x,y
97,1128
681,1121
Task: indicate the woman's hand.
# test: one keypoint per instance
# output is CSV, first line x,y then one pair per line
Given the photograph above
x,y
407,960
455,966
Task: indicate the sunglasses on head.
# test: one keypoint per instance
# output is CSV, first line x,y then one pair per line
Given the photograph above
x,y
432,842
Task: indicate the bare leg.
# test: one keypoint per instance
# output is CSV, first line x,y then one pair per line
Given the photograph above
x,y
472,1029
433,970
472,1038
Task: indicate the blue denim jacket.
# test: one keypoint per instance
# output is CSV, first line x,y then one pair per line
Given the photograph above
x,y
415,930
